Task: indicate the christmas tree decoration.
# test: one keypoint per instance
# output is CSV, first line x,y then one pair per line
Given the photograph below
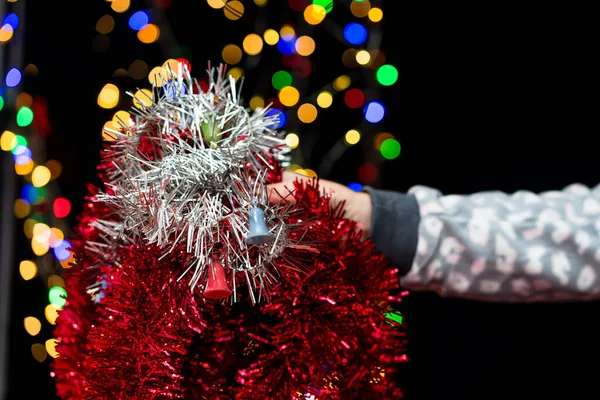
x,y
189,284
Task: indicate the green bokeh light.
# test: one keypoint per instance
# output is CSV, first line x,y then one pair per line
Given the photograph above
x,y
57,296
326,4
1,103
18,141
281,79
390,149
387,75
394,316
24,116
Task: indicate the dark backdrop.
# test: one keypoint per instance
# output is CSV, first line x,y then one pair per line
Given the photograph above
x,y
490,97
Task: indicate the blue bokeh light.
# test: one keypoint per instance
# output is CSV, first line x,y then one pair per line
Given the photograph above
x,y
170,91
13,77
139,20
280,114
61,250
22,155
355,33
357,187
29,193
11,19
374,112
287,46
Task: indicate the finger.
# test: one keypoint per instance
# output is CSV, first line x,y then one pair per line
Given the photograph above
x,y
280,192
289,176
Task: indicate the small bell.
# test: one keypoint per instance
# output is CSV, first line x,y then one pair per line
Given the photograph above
x,y
258,232
217,287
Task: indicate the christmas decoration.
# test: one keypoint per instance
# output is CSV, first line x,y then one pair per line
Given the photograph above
x,y
190,285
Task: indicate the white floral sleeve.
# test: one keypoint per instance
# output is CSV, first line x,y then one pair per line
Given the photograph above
x,y
498,247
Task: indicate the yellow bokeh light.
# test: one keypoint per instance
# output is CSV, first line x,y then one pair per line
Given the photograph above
x,y
341,83
157,76
380,138
289,96
307,113
236,73
252,44
142,98
292,140
149,34
287,32
39,352
257,102
55,168
375,14
25,168
171,66
33,326
324,99
138,69
109,96
108,131
352,137
314,14
28,269
68,263
24,99
40,176
51,313
105,24
39,248
233,10
51,347
216,3
293,167
231,54
261,3
305,45
6,140
363,57
6,33
41,229
122,119
349,58
271,36
55,235
21,208
55,280
306,172
360,8
28,227
120,6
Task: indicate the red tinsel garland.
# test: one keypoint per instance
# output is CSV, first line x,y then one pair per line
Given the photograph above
x,y
322,335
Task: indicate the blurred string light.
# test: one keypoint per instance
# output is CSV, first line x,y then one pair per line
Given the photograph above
x,y
325,99
363,57
326,4
233,10
252,44
357,187
139,20
360,8
6,33
375,14
314,14
305,45
352,137
390,149
261,3
307,113
292,140
109,96
374,112
271,37
13,77
105,24
120,6
355,33
12,20
281,79
149,34
231,54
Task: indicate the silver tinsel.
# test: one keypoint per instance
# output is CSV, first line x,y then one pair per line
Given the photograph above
x,y
206,169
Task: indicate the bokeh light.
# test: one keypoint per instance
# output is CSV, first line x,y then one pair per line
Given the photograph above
x,y
55,280
292,140
261,3
306,172
109,96
297,5
324,99
33,326
367,173
149,34
55,168
280,115
6,140
375,14
6,33
231,54
374,112
236,73
387,75
39,352
171,67
61,207
101,43
24,116
287,32
271,36
233,10
314,14
139,20
355,33
256,102
51,347
109,129
142,98
281,79
11,19
123,119
390,149
27,269
377,58
360,8
157,76
30,70
357,187
380,138
349,58
363,57
13,77
21,208
252,44
185,63
120,6
51,313
58,297
40,176
56,235
24,169
216,3
305,45
326,4
354,98
307,113
1,103
28,227
352,137
287,45
24,99
289,96
105,24
138,69
341,83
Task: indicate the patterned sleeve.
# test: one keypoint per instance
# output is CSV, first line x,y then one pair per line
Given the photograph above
x,y
498,247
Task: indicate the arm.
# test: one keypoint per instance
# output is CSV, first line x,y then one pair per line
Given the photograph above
x,y
493,246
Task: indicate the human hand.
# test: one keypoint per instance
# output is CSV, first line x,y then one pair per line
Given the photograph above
x,y
358,206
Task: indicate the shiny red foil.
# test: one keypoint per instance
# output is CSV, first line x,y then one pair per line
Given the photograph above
x,y
322,334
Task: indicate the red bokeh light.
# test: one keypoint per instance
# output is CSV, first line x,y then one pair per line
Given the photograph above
x,y
61,207
354,98
367,173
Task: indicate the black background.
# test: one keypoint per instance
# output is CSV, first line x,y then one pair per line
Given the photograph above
x,y
490,97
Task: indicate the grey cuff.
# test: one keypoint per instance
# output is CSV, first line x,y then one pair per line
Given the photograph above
x,y
395,226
